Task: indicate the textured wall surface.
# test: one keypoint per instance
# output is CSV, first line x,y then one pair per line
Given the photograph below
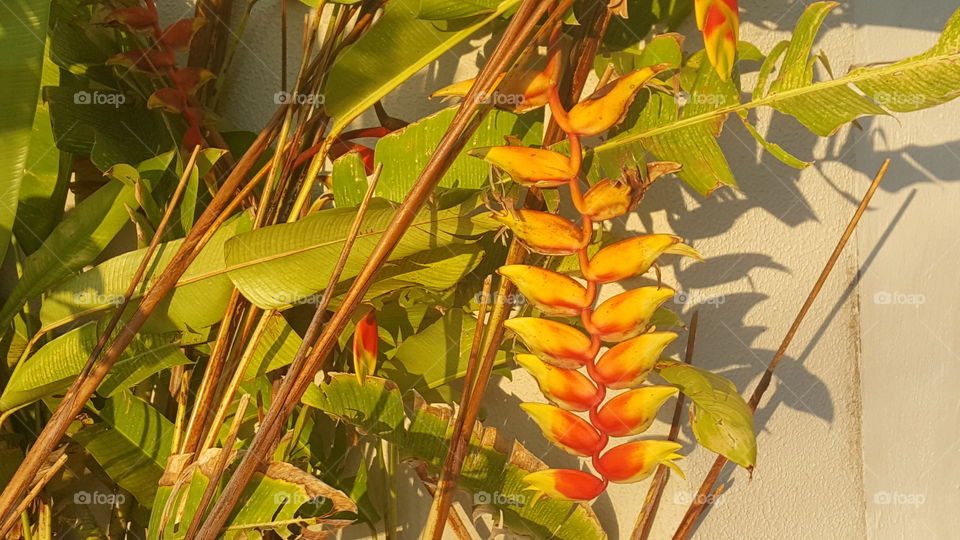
x,y
851,444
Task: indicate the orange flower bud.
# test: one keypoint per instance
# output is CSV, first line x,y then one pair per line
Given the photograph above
x,y
720,22
528,166
519,91
553,293
563,428
564,485
365,346
608,106
628,314
542,232
634,256
633,412
607,199
634,461
567,388
555,343
627,364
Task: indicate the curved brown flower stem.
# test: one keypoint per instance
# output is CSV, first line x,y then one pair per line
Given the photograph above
x,y
700,502
651,503
302,371
86,384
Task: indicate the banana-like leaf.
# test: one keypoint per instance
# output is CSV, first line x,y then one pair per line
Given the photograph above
x,y
198,301
131,440
404,153
283,265
396,46
73,244
270,502
493,465
57,363
22,39
915,83
721,419
444,10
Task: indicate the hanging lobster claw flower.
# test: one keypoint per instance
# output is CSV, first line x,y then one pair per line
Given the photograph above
x,y
627,364
608,106
171,100
542,232
563,485
634,461
528,166
177,35
628,314
365,346
518,91
150,61
557,344
633,412
190,79
610,198
563,428
634,256
567,388
719,20
551,292
136,19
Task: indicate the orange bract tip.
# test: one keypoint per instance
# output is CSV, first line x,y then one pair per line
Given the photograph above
x,y
542,232
566,430
720,22
564,484
634,461
567,388
528,166
633,412
365,346
628,314
555,343
551,292
628,364
608,106
634,256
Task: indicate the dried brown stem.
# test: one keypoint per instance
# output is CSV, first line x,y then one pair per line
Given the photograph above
x,y
34,492
641,531
703,498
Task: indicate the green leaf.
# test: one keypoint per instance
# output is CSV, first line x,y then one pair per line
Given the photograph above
x,y
396,46
23,30
404,153
283,265
722,421
492,466
277,348
198,300
271,501
131,441
73,244
56,364
453,9
912,84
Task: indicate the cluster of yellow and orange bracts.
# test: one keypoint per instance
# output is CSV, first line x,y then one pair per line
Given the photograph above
x,y
558,351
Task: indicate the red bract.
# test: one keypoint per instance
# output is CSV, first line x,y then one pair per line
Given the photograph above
x,y
365,346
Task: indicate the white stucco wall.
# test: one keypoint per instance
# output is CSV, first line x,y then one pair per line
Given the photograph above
x,y
864,403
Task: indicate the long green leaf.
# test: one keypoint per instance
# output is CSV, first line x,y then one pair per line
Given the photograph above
x,y
396,46
492,465
23,30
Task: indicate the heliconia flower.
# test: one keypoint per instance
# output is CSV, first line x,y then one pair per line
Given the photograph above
x,y
634,461
563,428
136,19
528,166
171,100
608,106
555,343
542,232
189,79
517,91
151,60
720,22
551,292
627,364
633,412
567,388
634,256
178,35
365,346
563,485
628,314
610,198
